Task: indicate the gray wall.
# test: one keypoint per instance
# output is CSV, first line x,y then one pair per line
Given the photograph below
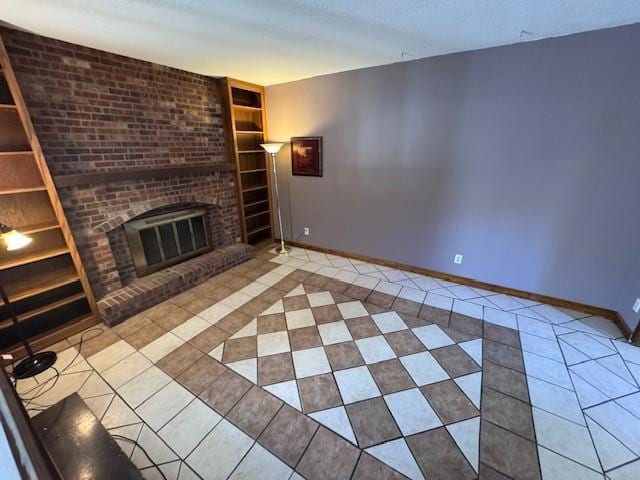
x,y
523,158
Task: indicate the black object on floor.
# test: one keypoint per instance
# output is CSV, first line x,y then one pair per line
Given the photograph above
x,y
79,445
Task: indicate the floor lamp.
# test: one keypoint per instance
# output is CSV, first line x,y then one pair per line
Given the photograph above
x,y
272,149
35,363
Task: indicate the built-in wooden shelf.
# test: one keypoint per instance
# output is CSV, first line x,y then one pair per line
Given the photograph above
x,y
257,214
247,107
253,204
250,151
255,170
252,189
249,132
258,230
34,257
45,281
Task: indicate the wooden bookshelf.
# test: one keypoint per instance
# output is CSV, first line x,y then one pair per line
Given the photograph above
x,y
246,128
45,281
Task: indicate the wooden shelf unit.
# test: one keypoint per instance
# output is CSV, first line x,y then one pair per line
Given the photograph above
x,y
246,128
45,281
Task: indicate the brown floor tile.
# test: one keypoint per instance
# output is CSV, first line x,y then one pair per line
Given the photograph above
x,y
316,280
271,296
254,307
174,319
326,314
391,376
254,411
237,282
240,349
286,285
402,305
94,340
381,299
219,292
337,286
435,315
145,336
449,402
488,473
209,339
319,393
234,322
313,289
271,323
225,391
372,422
507,412
184,298
176,362
329,457
362,327
455,361
275,369
503,355
160,310
288,435
370,468
438,456
508,453
343,355
501,334
131,325
201,374
340,297
299,275
415,322
372,309
458,336
505,380
306,337
404,342
199,305
297,302
357,292
463,323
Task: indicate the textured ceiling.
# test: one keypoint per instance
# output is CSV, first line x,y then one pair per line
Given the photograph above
x,y
274,41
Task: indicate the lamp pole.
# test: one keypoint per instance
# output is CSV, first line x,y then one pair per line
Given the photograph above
x,y
274,148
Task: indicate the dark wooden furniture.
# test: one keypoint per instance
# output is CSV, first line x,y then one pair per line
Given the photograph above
x,y
45,281
246,128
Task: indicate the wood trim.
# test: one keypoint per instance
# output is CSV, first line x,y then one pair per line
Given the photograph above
x,y
558,302
16,93
62,181
635,338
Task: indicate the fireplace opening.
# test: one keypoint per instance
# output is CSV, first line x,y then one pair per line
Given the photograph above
x,y
158,241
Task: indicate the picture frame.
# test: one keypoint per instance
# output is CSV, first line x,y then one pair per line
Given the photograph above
x,y
306,156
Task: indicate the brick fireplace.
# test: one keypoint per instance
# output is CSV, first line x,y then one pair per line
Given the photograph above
x,y
123,137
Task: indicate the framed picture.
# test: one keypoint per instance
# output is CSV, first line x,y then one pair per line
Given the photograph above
x,y
306,156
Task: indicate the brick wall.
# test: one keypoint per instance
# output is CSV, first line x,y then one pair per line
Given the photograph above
x,y
94,111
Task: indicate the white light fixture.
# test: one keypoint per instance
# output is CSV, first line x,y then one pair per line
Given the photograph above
x,y
272,149
13,239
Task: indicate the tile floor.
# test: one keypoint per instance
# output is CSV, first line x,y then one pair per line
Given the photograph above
x,y
319,366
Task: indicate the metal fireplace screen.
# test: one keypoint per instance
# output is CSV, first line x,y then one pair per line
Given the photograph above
x,y
162,240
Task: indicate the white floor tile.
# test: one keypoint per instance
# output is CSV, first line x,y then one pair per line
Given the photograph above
x,y
467,435
162,406
220,452
388,287
587,394
615,364
631,403
356,384
99,405
471,385
260,463
138,389
185,430
334,332
94,386
463,292
535,327
248,330
397,455
626,472
425,283
555,399
126,369
389,322
556,467
277,307
423,368
312,361
320,299
618,422
352,310
468,308
237,299
565,438
54,391
504,302
612,453
299,319
215,313
162,346
111,355
337,420
155,448
247,368
119,414
299,290
541,346
432,336
287,392
571,355
547,370
366,281
412,412
630,353
473,348
499,317
190,328
375,349
552,314
603,379
587,345
217,352
272,343
439,301
412,294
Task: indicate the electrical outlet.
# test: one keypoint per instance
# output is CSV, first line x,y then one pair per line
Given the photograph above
x,y
636,306
457,259
306,231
